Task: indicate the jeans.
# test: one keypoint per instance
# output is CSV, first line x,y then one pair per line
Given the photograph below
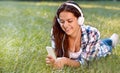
x,y
108,42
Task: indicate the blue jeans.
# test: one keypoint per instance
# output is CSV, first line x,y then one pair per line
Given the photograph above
x,y
108,42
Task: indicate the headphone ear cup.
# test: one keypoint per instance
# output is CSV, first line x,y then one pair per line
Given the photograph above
x,y
80,20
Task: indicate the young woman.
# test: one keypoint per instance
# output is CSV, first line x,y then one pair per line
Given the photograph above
x,y
75,43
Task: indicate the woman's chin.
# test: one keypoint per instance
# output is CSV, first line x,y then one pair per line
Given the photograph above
x,y
68,33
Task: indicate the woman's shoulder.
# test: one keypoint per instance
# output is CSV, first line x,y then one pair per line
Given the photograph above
x,y
89,28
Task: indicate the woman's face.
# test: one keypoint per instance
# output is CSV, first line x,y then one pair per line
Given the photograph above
x,y
68,22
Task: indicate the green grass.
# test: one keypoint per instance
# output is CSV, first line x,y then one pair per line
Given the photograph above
x,y
25,32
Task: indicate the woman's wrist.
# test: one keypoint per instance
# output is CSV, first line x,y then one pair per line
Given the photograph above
x,y
65,60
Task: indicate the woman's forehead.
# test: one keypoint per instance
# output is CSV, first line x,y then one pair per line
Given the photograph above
x,y
66,15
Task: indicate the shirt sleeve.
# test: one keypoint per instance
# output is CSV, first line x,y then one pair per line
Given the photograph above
x,y
93,37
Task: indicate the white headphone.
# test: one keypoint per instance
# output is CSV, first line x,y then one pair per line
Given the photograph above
x,y
80,18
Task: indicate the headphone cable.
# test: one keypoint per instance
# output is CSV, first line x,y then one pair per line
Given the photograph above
x,y
63,45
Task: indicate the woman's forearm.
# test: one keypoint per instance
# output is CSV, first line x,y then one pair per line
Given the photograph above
x,y
70,62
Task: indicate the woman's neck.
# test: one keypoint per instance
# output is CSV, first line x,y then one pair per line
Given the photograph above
x,y
74,42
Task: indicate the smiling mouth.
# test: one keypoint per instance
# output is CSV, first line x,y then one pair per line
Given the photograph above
x,y
67,30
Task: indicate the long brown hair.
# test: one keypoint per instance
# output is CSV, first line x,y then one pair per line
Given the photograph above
x,y
58,33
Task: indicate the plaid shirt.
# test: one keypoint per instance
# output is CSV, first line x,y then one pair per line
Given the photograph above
x,y
91,45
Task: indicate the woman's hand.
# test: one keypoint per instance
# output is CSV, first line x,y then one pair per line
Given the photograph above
x,y
58,63
50,60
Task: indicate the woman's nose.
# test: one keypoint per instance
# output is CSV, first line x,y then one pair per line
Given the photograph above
x,y
65,24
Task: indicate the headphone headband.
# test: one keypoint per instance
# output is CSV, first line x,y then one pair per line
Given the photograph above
x,y
78,8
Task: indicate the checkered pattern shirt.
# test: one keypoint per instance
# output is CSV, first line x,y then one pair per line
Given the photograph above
x,y
91,45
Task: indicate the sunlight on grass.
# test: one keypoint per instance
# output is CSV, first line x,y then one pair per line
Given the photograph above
x,y
48,3
100,6
113,8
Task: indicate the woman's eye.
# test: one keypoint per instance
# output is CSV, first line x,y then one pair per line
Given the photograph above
x,y
61,21
69,21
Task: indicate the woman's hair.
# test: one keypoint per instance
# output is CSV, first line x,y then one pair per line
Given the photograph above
x,y
58,33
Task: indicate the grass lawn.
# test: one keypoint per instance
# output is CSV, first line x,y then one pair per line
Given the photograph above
x,y
25,32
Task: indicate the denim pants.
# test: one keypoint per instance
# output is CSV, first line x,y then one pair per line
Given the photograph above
x,y
108,42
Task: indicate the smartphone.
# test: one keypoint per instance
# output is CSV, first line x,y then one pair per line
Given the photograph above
x,y
50,51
